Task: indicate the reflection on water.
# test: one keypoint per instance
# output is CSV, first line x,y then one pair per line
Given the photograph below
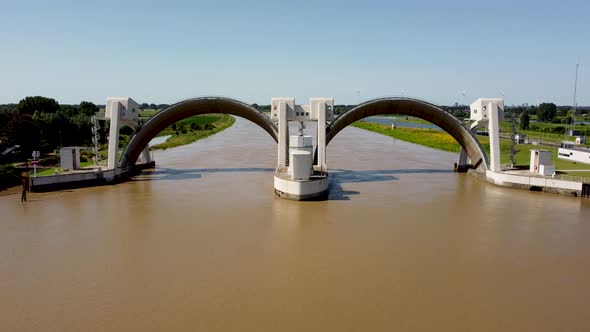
x,y
159,140
201,243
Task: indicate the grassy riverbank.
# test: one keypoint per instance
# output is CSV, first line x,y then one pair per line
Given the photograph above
x,y
403,118
442,141
51,170
193,129
428,137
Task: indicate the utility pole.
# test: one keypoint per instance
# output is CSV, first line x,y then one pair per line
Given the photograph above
x,y
575,102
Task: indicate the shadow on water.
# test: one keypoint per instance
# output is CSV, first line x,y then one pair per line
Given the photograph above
x,y
187,173
340,176
336,179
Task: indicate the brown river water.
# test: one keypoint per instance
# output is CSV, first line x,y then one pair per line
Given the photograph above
x,y
202,244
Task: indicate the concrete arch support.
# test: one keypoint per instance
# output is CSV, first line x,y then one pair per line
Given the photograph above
x,y
189,108
419,109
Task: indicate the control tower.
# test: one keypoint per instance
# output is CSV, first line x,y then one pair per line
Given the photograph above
x,y
122,111
297,177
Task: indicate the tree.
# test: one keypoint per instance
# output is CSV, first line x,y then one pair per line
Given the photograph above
x,y
88,108
546,112
531,110
524,121
31,104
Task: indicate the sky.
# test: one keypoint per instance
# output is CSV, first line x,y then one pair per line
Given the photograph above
x,y
167,51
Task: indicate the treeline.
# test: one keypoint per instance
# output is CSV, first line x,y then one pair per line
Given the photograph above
x,y
42,124
146,106
546,112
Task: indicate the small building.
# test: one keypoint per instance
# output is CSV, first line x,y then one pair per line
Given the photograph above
x,y
541,162
300,157
573,133
70,158
519,138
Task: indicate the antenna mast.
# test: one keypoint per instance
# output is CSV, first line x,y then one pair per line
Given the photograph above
x,y
575,103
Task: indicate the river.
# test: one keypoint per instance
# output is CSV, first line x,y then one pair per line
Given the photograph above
x,y
202,244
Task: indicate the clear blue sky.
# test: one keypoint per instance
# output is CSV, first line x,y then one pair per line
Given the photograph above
x,y
166,51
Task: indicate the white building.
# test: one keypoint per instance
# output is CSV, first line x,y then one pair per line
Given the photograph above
x,y
70,158
579,155
541,162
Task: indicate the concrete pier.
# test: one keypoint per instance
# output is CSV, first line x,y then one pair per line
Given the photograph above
x,y
80,179
532,183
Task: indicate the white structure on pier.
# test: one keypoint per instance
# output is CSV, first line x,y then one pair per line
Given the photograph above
x,y
541,163
296,176
121,111
70,158
487,113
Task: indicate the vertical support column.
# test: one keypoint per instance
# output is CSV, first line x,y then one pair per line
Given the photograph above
x,y
283,135
322,137
113,161
494,129
146,156
462,159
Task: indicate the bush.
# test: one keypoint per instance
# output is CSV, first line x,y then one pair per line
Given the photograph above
x,y
8,176
87,153
50,161
556,120
123,140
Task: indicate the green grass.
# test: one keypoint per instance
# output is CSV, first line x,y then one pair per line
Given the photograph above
x,y
549,132
442,141
428,137
51,170
147,113
216,124
189,124
403,118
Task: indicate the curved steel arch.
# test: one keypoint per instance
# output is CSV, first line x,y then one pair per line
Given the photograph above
x,y
419,109
185,109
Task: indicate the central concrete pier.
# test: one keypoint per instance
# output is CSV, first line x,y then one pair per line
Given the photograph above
x,y
296,176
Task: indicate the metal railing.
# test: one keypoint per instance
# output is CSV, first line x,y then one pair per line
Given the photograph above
x,y
583,179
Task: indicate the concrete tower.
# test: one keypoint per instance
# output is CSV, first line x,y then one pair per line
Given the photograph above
x,y
296,176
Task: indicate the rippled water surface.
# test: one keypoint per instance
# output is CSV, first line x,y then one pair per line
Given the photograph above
x,y
202,244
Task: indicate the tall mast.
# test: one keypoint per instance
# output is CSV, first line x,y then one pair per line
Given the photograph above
x,y
575,103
